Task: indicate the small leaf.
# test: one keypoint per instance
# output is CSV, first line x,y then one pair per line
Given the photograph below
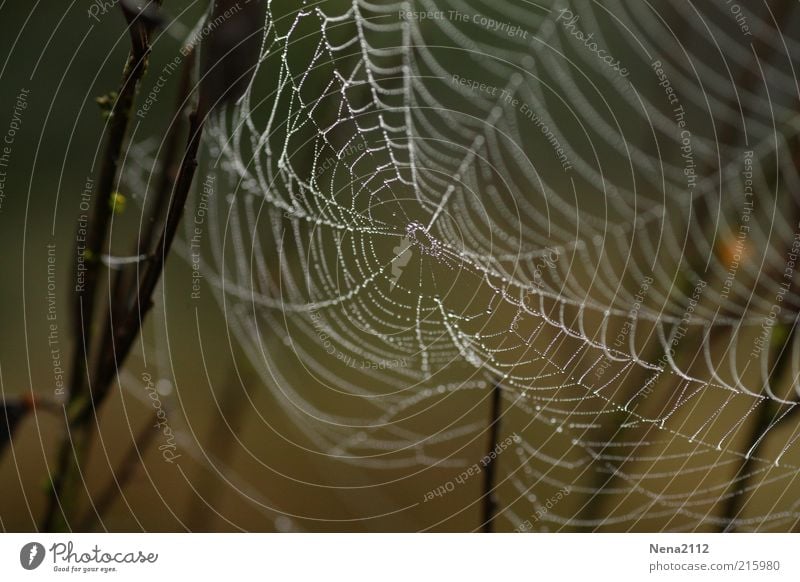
x,y
117,203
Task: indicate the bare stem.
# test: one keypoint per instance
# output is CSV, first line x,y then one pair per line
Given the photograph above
x,y
64,481
120,114
489,498
125,286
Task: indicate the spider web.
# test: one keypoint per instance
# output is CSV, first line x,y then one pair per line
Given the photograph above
x,y
421,210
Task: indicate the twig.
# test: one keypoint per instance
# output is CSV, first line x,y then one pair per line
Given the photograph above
x,y
489,497
734,504
764,420
64,480
124,285
120,114
130,307
124,335
168,174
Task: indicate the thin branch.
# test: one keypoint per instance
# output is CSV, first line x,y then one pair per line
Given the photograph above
x,y
84,411
89,260
489,497
131,303
765,419
64,480
168,174
126,333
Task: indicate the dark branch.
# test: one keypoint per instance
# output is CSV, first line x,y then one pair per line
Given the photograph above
x,y
489,498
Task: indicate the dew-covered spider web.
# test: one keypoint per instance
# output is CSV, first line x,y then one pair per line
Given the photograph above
x,y
591,207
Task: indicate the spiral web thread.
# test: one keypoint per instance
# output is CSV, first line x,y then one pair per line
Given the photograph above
x,y
562,246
